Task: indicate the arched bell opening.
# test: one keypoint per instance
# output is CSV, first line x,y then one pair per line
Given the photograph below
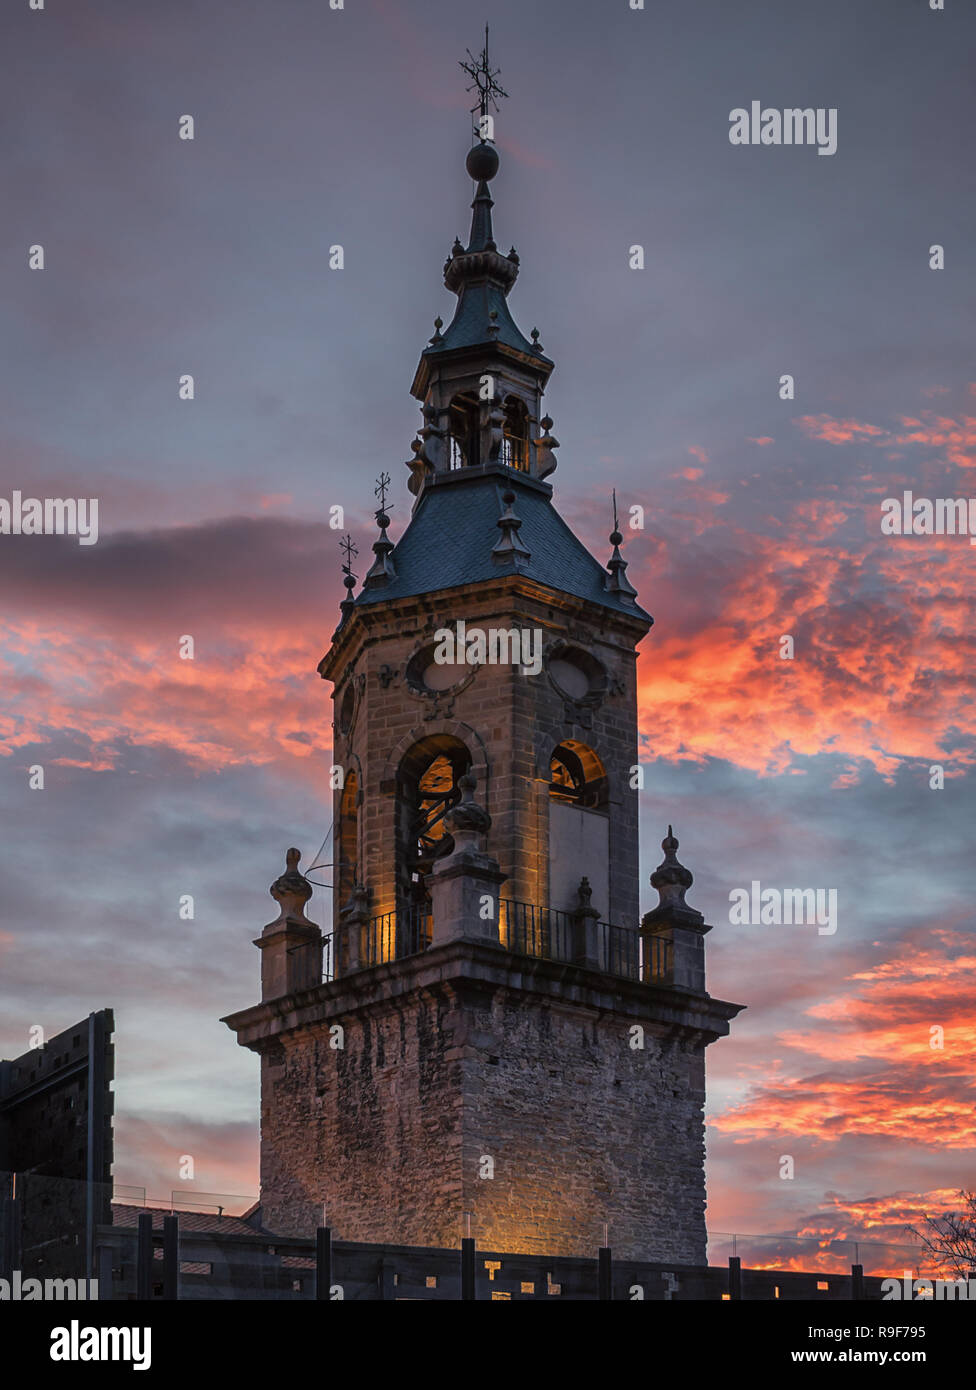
x,y
463,432
579,826
577,775
427,788
515,440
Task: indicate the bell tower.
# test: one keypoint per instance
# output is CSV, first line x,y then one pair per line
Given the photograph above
x,y
488,639
496,1032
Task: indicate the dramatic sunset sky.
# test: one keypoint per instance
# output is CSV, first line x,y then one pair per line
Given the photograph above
x,y
166,777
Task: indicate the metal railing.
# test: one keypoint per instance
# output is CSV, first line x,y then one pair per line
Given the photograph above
x,y
528,930
525,929
656,960
391,936
514,453
396,934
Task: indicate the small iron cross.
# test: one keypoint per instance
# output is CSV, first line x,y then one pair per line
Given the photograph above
x,y
484,79
382,483
350,549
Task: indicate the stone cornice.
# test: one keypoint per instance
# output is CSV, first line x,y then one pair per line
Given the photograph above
x,y
461,968
389,617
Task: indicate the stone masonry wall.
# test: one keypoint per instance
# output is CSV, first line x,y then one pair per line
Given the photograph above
x,y
391,1133
510,724
582,1130
370,1131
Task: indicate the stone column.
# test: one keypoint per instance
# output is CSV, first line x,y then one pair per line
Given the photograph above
x,y
674,922
465,884
291,945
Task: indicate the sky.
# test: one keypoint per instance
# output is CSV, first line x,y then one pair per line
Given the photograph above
x,y
316,127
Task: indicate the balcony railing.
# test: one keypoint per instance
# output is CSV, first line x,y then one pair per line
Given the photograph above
x,y
391,936
527,930
523,928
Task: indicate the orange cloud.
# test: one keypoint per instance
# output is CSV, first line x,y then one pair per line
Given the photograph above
x,y
242,701
833,431
955,439
890,1080
883,634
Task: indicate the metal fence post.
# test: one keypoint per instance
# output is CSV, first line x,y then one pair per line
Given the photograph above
x,y
605,1274
171,1257
735,1277
467,1269
103,1272
144,1256
10,1256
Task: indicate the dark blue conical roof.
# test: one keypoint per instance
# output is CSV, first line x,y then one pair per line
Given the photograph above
x,y
453,534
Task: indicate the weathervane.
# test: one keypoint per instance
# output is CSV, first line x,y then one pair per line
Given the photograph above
x,y
484,80
382,483
350,550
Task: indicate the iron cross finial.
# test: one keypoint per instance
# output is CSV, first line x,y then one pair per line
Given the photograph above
x,y
350,550
484,79
382,483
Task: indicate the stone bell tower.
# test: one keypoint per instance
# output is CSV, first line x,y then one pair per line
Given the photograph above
x,y
534,690
495,1032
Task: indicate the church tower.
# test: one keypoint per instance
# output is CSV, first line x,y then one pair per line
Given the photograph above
x,y
495,1035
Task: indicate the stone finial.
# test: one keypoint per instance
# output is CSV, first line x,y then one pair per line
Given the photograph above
x,y
348,603
382,569
616,581
509,547
418,465
545,458
356,905
672,881
292,891
467,820
587,946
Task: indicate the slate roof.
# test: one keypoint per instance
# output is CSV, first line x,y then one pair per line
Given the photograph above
x,y
451,534
202,1221
469,326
